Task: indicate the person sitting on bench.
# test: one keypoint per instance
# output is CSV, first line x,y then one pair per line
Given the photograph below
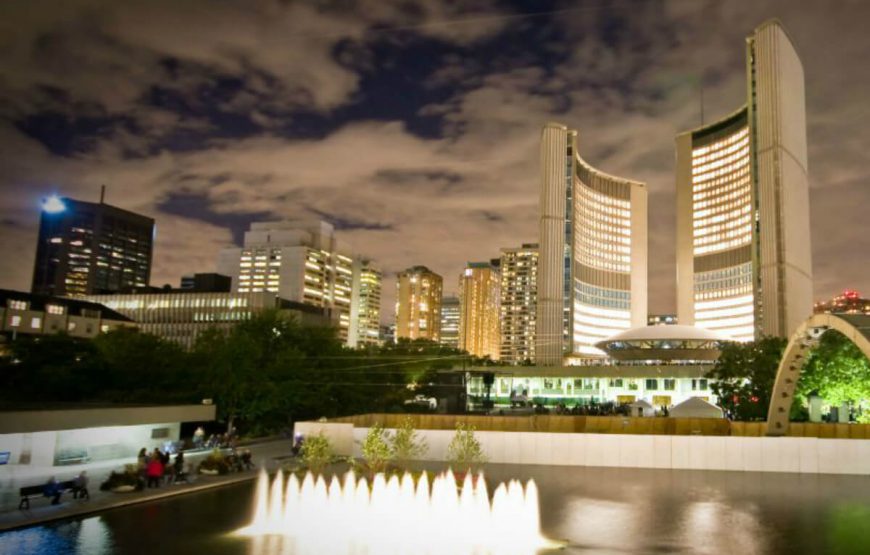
x,y
52,489
80,486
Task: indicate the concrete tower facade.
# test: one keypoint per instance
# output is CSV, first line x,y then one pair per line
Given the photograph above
x,y
744,265
592,265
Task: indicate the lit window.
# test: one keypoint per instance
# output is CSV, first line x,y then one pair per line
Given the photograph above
x,y
15,321
36,323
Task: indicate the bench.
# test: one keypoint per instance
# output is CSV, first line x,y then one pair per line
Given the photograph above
x,y
37,491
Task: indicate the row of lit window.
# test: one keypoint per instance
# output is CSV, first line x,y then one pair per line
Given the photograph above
x,y
722,237
720,144
740,194
722,230
734,144
700,172
730,218
713,186
722,294
605,203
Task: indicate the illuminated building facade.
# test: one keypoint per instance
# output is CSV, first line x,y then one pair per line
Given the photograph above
x,y
592,266
365,304
300,261
418,304
519,279
181,316
87,247
743,241
450,321
849,302
33,314
479,303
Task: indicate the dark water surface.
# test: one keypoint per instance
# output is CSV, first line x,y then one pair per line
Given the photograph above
x,y
596,510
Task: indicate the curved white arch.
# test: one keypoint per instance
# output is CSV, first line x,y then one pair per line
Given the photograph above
x,y
854,326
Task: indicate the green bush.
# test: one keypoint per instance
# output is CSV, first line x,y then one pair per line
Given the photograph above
x,y
375,449
216,461
464,451
128,477
316,452
406,445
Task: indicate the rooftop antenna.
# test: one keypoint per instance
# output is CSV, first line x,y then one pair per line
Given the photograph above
x,y
102,194
701,86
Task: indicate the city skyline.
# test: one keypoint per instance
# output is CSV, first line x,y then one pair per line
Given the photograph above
x,y
463,144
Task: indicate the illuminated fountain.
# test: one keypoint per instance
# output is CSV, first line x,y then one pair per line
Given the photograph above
x,y
394,516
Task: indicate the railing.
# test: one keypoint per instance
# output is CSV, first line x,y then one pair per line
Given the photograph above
x,y
607,425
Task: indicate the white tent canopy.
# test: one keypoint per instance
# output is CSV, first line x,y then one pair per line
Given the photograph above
x,y
642,408
695,407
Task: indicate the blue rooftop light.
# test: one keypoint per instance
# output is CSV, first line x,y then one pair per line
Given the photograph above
x,y
53,205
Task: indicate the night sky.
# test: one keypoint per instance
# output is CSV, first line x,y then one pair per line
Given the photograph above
x,y
413,126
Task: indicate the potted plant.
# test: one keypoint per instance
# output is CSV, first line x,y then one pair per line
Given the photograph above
x,y
215,463
123,482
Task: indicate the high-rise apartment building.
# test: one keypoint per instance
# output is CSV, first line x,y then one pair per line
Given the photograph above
x,y
365,304
743,242
301,261
87,247
519,281
592,261
450,321
418,304
479,300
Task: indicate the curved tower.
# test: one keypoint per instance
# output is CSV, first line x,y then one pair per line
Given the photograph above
x,y
743,242
592,265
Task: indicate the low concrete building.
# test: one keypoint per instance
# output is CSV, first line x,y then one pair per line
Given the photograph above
x,y
23,313
47,438
181,316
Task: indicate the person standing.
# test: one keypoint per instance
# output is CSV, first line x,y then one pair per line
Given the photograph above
x,y
154,472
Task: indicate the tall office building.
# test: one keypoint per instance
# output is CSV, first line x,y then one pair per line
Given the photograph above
x,y
301,261
450,321
87,247
418,304
479,300
592,264
519,290
365,304
743,241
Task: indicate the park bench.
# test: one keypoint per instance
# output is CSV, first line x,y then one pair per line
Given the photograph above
x,y
37,491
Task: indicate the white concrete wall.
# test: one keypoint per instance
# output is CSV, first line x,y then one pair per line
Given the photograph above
x,y
753,454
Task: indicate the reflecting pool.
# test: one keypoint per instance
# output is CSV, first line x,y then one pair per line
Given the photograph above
x,y
594,510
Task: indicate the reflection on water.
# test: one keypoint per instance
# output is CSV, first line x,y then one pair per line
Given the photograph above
x,y
394,516
596,510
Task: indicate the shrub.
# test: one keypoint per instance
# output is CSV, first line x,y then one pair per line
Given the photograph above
x,y
464,451
216,461
316,452
128,477
406,446
375,449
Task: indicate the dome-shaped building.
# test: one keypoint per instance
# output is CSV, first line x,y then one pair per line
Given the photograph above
x,y
675,343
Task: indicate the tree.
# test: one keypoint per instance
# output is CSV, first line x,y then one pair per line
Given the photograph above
x,y
316,452
375,449
406,446
837,371
464,451
744,375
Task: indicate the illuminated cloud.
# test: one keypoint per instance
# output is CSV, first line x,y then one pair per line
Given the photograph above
x,y
418,137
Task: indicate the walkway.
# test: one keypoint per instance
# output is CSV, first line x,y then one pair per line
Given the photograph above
x,y
42,511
